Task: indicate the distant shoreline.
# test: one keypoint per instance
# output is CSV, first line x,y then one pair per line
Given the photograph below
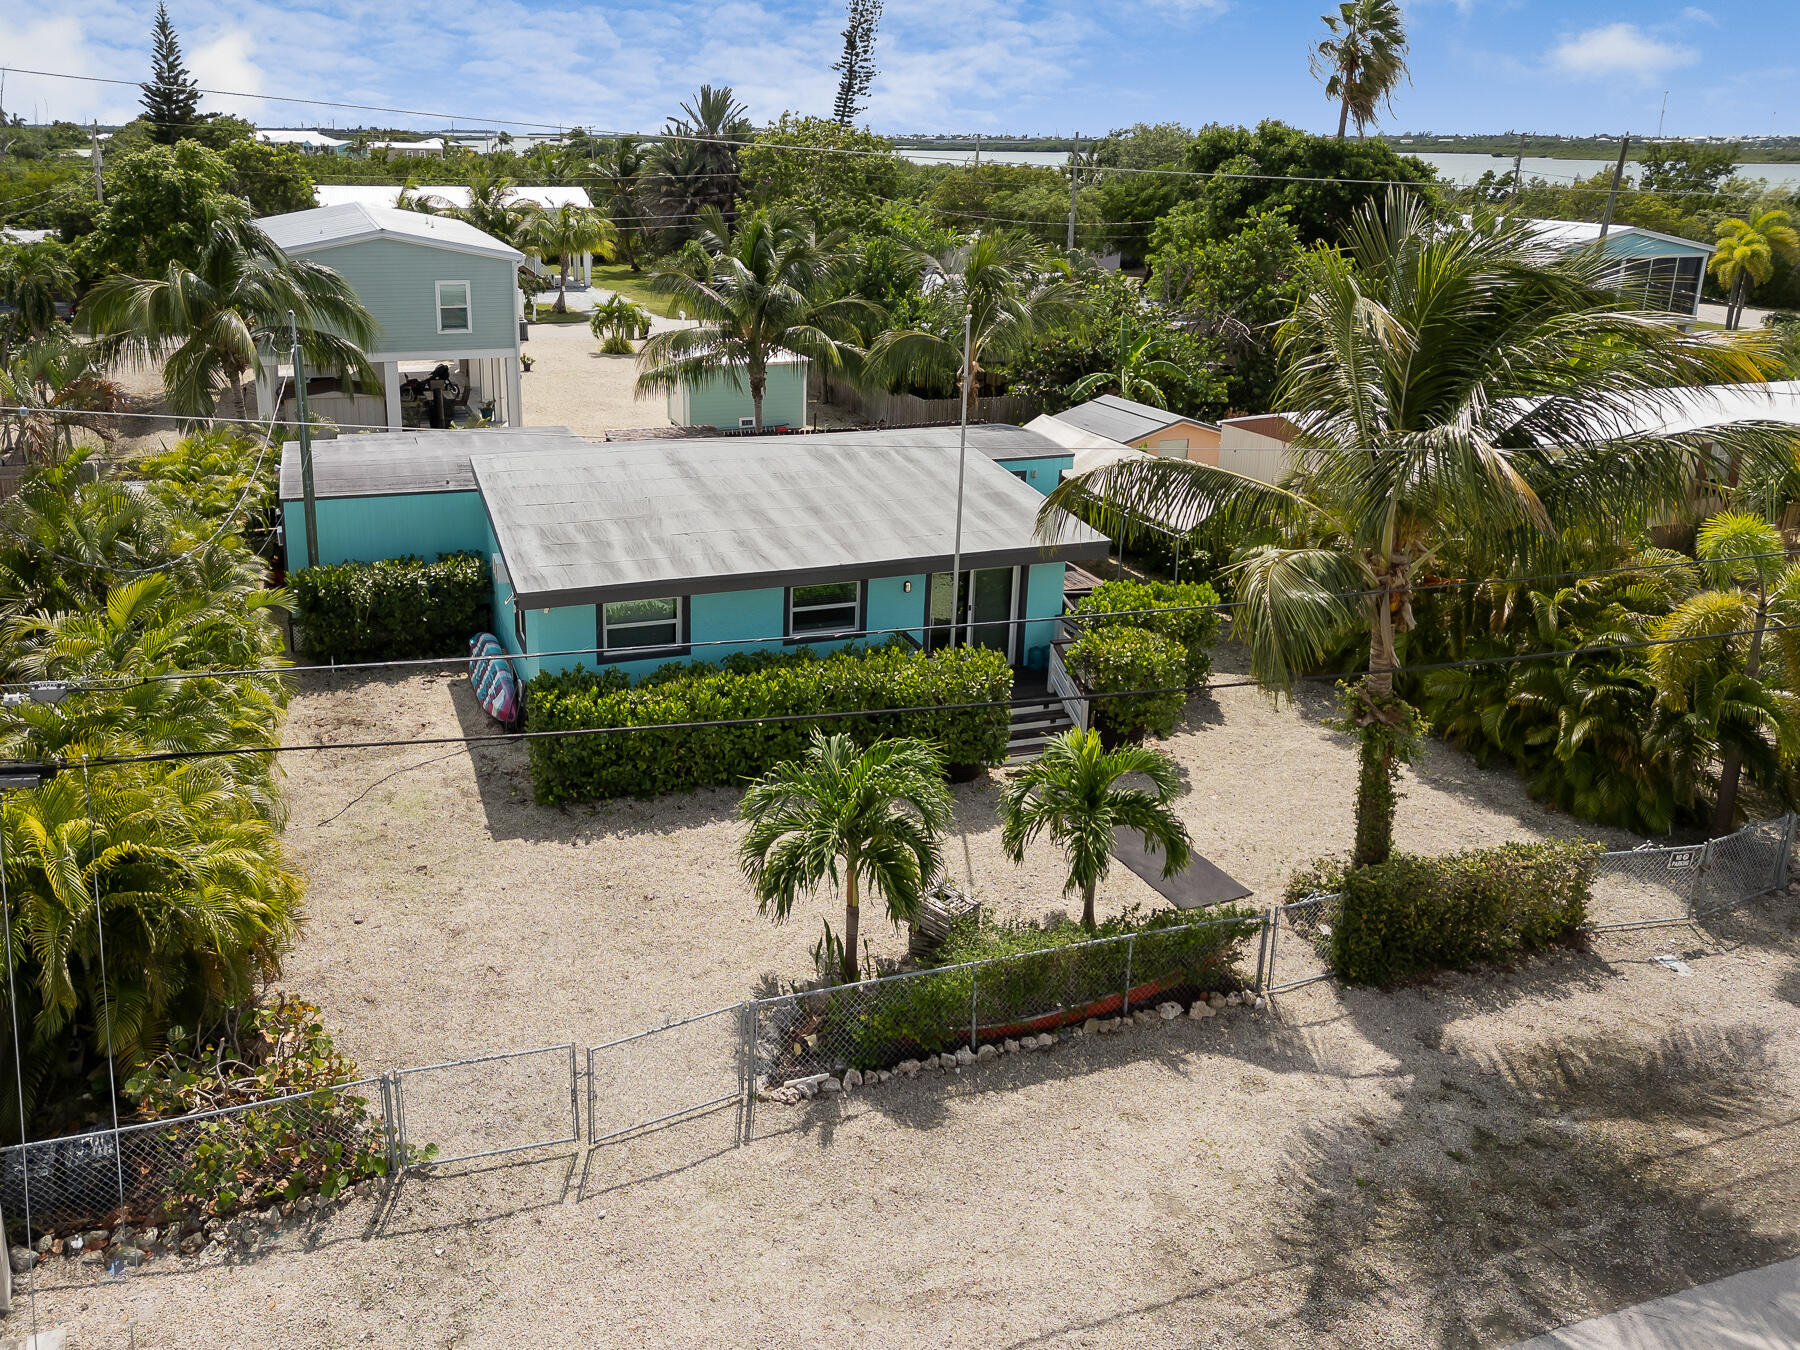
x,y
1784,150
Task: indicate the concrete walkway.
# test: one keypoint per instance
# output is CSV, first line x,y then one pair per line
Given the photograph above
x,y
1758,1310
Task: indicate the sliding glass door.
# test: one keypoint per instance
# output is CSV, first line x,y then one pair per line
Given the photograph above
x,y
982,615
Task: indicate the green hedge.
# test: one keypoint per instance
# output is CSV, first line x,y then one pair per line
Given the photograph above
x,y
651,763
395,609
1119,659
1413,914
1174,614
1050,978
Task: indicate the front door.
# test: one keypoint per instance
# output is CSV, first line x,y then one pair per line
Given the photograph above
x,y
982,615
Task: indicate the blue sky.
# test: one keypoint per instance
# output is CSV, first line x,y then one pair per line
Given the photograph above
x,y
993,65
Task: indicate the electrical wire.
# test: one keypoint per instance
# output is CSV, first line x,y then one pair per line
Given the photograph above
x,y
566,733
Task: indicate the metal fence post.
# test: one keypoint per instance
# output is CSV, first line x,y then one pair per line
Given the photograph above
x,y
1697,879
1130,960
974,993
751,1018
1262,951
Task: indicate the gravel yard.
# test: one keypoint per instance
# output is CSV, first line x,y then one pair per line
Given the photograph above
x,y
1464,1163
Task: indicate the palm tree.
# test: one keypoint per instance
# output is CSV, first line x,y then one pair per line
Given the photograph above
x,y
1364,59
617,323
564,233
1010,292
1753,580
51,382
1746,256
215,322
695,163
1141,365
1463,388
33,277
848,816
621,192
774,286
492,208
1073,791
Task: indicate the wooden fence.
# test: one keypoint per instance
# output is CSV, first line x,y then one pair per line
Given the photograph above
x,y
877,405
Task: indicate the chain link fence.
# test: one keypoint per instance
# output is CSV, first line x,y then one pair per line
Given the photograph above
x,y
1299,942
681,1069
321,1140
1645,887
879,1023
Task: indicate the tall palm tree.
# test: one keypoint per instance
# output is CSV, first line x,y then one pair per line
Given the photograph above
x,y
1011,292
1363,60
1073,792
695,163
564,233
849,817
618,174
1461,387
1752,581
1746,256
215,322
772,285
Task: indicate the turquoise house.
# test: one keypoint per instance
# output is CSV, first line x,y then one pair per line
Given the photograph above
x,y
723,400
441,291
634,554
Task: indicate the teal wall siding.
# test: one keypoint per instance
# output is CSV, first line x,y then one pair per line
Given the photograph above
x,y
1042,474
1043,600
720,402
1641,246
568,628
396,281
365,529
890,607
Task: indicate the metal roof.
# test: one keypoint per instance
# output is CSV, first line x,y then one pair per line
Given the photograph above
x,y
1120,419
1565,234
326,227
405,463
449,194
675,517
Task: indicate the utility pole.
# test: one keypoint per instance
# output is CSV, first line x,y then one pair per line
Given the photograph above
x,y
1074,183
1519,167
1664,113
962,459
1612,197
99,190
306,460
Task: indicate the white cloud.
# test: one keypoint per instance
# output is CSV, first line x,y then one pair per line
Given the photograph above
x,y
1694,14
226,63
1619,49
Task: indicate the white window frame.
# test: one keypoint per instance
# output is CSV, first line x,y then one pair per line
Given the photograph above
x,y
467,306
826,634
679,644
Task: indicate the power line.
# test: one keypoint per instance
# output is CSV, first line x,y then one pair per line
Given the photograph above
x,y
564,733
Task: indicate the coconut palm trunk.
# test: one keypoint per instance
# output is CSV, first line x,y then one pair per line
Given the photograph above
x,y
1089,919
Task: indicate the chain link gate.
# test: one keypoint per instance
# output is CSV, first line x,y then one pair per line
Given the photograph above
x,y
488,1106
1306,925
665,1073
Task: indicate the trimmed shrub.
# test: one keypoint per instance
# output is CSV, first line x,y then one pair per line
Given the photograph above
x,y
1414,914
1116,660
1173,615
778,684
395,609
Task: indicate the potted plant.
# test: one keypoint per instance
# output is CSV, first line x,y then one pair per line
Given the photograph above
x,y
526,362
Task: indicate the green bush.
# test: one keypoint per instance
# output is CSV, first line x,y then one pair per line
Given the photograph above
x,y
774,684
1173,612
1415,914
395,609
1117,660
1049,976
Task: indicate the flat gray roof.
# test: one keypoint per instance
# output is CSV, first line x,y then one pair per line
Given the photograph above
x,y
1120,419
401,463
677,517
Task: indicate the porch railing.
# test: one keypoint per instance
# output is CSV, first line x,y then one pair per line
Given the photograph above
x,y
1066,686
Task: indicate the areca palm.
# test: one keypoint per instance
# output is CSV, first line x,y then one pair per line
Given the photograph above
x,y
1364,59
1010,291
564,233
1073,793
48,384
1457,386
33,277
769,284
216,322
849,817
1746,256
1719,634
621,192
